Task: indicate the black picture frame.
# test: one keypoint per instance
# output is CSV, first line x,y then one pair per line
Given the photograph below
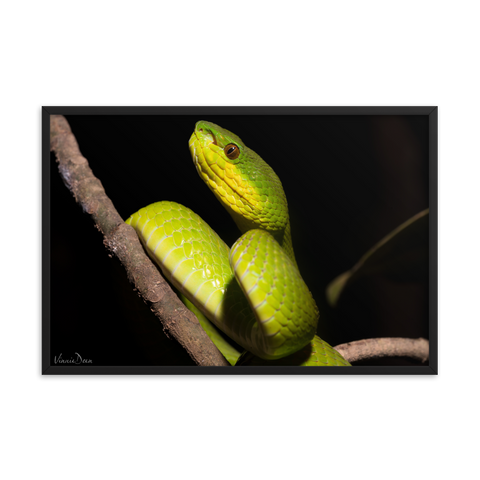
x,y
120,140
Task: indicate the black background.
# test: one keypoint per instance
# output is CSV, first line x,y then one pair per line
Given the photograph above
x,y
349,181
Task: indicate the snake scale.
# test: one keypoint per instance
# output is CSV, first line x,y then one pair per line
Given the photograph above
x,y
253,292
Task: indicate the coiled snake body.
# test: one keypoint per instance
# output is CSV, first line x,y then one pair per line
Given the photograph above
x,y
253,292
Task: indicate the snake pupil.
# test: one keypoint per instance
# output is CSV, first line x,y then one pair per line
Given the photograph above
x,y
232,151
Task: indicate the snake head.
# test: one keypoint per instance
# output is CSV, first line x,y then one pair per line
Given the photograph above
x,y
212,135
245,185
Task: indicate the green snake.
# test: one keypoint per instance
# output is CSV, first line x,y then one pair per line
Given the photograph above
x,y
253,292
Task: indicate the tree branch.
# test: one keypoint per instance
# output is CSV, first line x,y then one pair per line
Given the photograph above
x,y
416,348
122,241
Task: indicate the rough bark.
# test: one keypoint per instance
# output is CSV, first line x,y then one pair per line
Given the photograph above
x,y
416,348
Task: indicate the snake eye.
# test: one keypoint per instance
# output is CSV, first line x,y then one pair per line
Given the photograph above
x,y
232,151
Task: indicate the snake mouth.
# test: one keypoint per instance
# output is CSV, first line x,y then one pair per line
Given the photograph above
x,y
205,135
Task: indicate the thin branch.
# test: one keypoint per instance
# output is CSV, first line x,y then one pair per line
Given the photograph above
x,y
122,241
416,348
